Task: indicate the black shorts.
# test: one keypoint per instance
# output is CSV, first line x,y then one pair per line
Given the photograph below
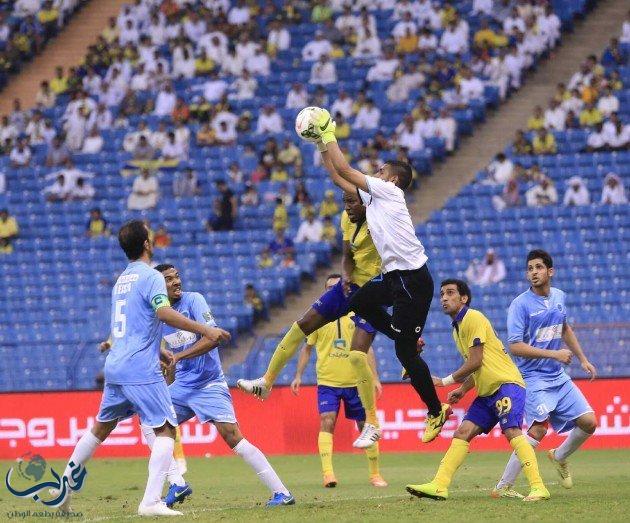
x,y
408,292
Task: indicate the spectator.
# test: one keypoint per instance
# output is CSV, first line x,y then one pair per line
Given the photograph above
x,y
608,103
280,215
93,143
329,233
490,271
290,153
323,72
81,191
59,191
279,38
253,299
509,197
544,142
278,173
614,55
446,128
329,206
259,64
520,144
453,40
310,230
368,45
542,194
144,192
613,192
596,139
555,116
239,14
172,151
58,154
500,170
321,11
245,86
342,105
537,120
162,238
205,135
471,87
250,196
590,115
576,193
265,259
297,97
224,127
186,183
288,260
401,87
368,117
97,224
617,135
20,155
9,231
281,242
342,131
225,209
408,136
45,97
384,68
315,49
301,195
143,151
269,121
165,101
235,173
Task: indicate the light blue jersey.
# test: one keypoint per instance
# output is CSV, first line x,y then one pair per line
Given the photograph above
x,y
202,370
539,321
134,355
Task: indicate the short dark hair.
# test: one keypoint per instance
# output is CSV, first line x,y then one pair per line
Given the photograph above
x,y
131,238
164,267
462,287
536,254
403,171
333,275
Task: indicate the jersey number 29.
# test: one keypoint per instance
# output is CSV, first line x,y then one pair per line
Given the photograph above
x,y
120,320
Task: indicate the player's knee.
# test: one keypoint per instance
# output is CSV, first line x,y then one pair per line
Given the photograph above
x,y
102,430
537,432
230,433
587,423
327,424
463,433
166,430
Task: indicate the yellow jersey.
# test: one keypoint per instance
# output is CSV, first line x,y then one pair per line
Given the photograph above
x,y
471,328
367,262
332,345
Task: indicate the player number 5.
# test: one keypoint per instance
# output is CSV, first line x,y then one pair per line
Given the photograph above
x,y
504,405
120,320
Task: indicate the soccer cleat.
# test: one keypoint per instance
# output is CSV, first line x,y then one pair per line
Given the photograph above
x,y
330,481
378,481
434,424
537,494
65,504
280,499
157,509
177,494
505,492
257,387
428,490
563,469
369,435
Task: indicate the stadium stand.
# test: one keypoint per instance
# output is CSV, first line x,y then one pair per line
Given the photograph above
x,y
58,278
25,28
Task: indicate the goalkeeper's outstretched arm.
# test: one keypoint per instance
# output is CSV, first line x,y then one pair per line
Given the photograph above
x,y
329,148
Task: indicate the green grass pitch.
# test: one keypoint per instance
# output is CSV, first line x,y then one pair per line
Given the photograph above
x,y
225,489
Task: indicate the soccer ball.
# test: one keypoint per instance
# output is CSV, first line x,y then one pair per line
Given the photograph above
x,y
305,124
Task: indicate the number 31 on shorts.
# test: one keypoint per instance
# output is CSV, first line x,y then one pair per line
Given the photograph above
x,y
504,405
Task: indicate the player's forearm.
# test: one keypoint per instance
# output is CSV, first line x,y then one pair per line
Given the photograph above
x,y
465,371
173,318
524,350
305,355
343,168
337,180
347,262
202,346
569,337
468,384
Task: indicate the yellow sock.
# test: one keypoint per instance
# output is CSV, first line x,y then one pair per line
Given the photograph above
x,y
285,350
372,456
325,444
454,457
365,384
178,451
527,457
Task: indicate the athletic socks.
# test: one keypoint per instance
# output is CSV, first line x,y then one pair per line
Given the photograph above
x,y
513,467
419,374
454,457
527,457
576,437
372,454
173,475
365,384
159,462
285,350
86,446
257,460
325,445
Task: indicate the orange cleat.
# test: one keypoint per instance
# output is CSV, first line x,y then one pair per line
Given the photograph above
x,y
378,481
330,481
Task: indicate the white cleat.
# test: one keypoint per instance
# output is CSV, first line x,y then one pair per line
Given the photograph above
x,y
65,506
157,509
257,387
369,435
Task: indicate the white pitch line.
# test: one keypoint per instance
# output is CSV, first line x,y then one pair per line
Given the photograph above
x,y
313,502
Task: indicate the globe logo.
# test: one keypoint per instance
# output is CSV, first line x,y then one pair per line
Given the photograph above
x,y
32,467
